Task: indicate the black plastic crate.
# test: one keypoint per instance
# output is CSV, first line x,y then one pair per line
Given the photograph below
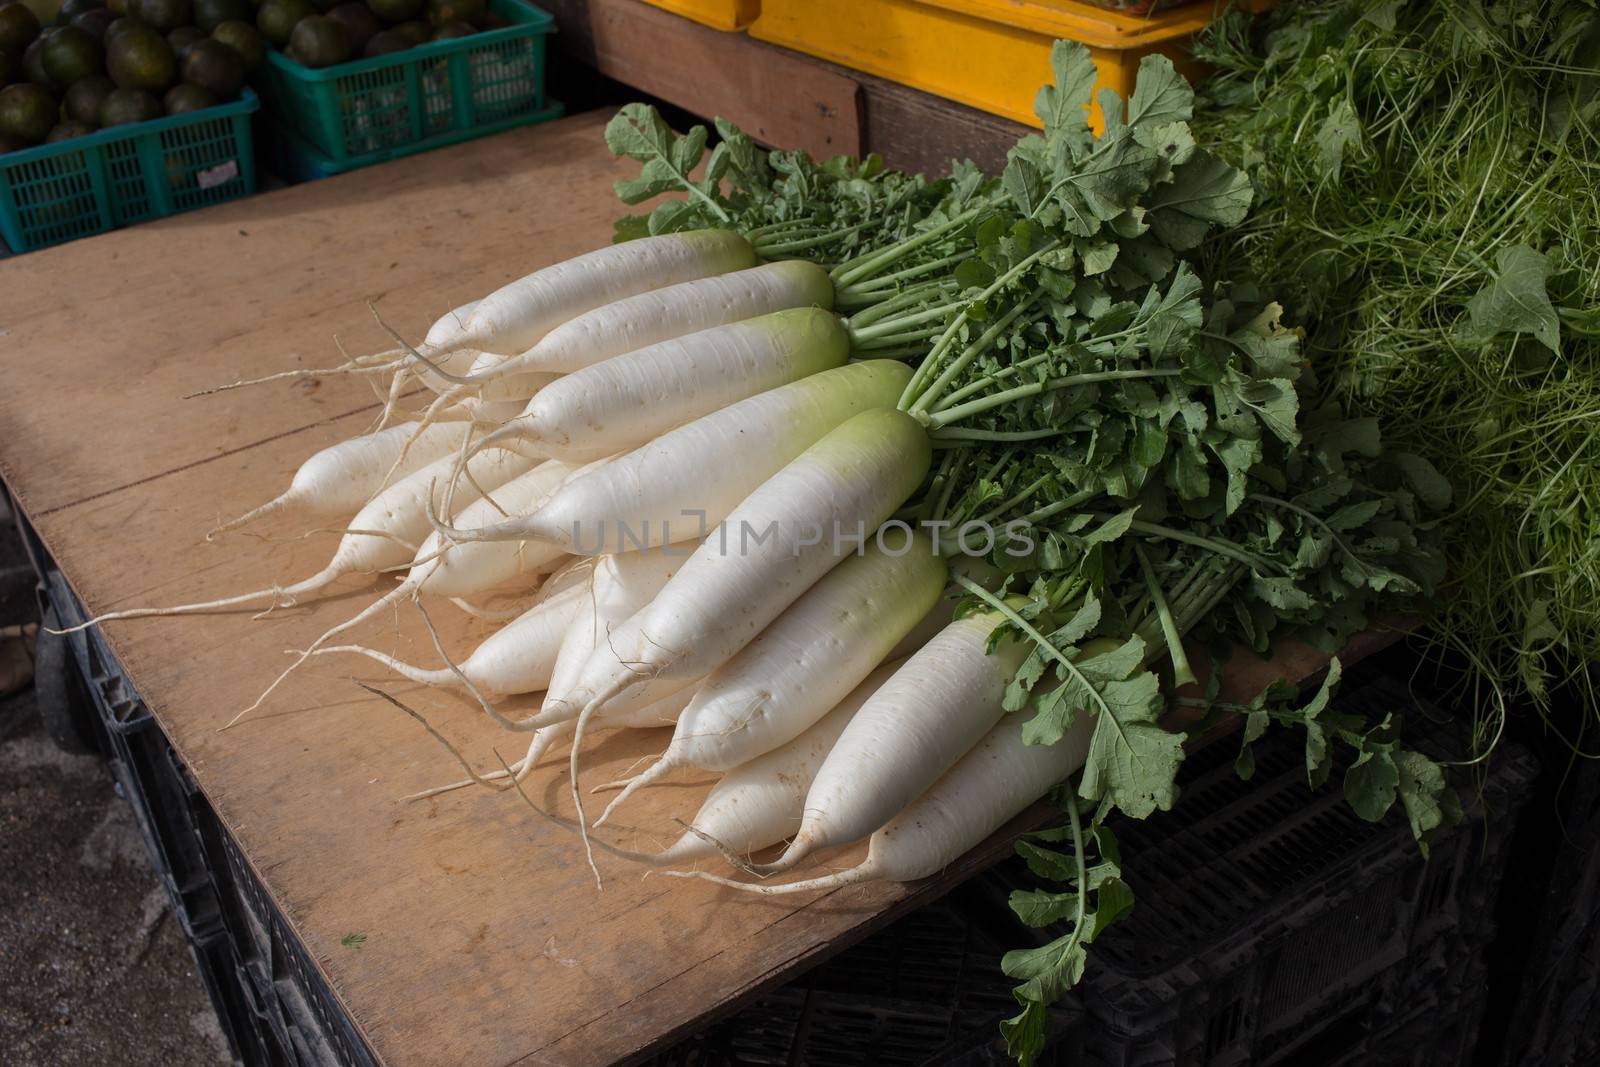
x,y
1547,962
274,1006
926,990
1273,926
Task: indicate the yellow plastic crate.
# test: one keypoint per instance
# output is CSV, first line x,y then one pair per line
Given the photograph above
x,y
718,14
989,54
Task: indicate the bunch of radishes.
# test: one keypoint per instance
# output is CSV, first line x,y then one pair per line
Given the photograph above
x,y
676,387
721,504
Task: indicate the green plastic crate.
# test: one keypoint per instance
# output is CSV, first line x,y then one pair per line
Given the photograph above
x,y
127,174
456,86
294,159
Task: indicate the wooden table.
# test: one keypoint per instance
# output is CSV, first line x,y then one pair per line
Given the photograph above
x,y
485,938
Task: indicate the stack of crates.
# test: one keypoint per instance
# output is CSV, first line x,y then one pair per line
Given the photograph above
x,y
1272,927
988,54
1275,927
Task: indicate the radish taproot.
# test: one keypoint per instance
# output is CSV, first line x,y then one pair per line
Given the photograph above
x,y
718,601
764,556
340,479
649,318
805,662
912,730
383,534
517,316
517,658
627,400
760,803
985,789
657,492
445,570
663,712
618,587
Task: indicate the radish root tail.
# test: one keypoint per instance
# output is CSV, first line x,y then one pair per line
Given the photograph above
x,y
650,859
654,774
473,775
277,503
421,675
520,725
596,702
829,881
366,613
520,769
418,356
351,367
282,596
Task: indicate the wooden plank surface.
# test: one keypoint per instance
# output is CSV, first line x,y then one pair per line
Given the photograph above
x,y
777,96
134,319
485,939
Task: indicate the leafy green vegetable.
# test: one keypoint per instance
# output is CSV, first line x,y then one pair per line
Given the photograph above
x,y
786,203
1516,300
1425,178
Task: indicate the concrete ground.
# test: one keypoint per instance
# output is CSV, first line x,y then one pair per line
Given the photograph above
x,y
93,967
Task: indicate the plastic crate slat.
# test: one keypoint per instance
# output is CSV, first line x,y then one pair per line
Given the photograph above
x,y
298,160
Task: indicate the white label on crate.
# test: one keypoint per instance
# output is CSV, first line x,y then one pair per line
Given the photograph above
x,y
212,177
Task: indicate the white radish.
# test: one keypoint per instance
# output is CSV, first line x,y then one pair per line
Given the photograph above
x,y
988,787
770,550
383,534
444,337
516,316
627,400
517,658
915,727
446,570
507,385
648,318
760,803
723,596
618,587
339,479
808,660
660,491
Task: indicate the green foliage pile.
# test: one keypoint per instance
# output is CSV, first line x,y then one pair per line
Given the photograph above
x,y
1426,209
